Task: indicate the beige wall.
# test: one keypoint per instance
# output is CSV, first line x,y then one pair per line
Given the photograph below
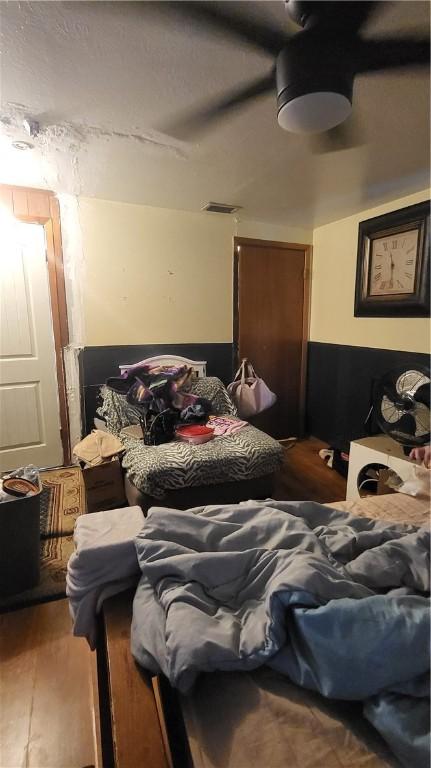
x,y
333,290
263,231
159,276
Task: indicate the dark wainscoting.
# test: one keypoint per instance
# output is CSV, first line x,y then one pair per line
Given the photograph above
x,y
99,363
340,385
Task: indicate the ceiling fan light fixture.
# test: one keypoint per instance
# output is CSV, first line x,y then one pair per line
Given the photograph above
x,y
314,112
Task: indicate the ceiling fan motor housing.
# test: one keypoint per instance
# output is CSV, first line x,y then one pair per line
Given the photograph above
x,y
301,10
314,84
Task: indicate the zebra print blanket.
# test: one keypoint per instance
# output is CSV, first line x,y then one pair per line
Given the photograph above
x,y
154,470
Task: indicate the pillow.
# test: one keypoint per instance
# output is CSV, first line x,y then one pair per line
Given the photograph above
x,y
116,411
214,390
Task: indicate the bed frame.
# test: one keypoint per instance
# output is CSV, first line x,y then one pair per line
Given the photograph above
x,y
199,366
200,495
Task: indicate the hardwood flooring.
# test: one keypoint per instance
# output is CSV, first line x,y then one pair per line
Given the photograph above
x,y
305,476
47,716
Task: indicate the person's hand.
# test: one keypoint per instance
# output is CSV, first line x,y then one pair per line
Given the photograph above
x,y
422,454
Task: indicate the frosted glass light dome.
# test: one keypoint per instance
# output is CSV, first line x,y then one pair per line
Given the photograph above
x,y
314,112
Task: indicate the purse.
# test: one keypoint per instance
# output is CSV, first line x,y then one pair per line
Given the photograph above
x,y
159,428
249,392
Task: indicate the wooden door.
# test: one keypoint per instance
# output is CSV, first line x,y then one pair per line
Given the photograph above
x,y
29,404
271,325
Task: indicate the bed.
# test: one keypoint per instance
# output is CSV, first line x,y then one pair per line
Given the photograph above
x,y
234,720
226,469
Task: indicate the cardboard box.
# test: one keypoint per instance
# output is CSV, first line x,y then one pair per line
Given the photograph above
x,y
104,486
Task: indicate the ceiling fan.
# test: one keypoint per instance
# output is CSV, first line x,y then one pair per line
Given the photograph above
x,y
314,68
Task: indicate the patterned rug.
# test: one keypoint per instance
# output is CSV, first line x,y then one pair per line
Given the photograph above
x,y
62,501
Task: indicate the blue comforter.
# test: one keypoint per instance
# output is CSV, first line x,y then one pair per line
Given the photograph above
x,y
335,602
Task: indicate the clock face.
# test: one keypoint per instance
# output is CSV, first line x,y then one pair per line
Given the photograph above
x,y
393,264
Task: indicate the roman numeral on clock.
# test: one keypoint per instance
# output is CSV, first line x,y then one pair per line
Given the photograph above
x,y
377,277
409,261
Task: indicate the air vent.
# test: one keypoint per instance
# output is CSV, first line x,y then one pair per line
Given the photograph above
x,y
220,208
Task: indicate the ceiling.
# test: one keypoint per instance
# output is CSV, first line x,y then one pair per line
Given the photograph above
x,y
101,78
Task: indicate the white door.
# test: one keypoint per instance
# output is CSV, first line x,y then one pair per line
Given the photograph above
x,y
29,408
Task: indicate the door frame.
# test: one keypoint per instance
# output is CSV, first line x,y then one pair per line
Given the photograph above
x,y
308,259
40,206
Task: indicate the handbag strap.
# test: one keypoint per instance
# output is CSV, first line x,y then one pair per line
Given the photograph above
x,y
250,370
240,374
245,371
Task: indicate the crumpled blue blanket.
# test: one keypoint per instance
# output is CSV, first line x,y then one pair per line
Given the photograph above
x,y
335,602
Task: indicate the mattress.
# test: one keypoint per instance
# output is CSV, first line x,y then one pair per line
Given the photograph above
x,y
391,507
259,719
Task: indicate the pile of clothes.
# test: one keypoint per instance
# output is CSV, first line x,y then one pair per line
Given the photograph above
x,y
98,448
161,395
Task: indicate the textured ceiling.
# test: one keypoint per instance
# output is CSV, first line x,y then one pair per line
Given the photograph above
x,y
102,77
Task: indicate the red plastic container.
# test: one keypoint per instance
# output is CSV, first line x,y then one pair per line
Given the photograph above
x,y
195,433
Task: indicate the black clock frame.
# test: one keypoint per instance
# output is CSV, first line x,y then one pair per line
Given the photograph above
x,y
415,304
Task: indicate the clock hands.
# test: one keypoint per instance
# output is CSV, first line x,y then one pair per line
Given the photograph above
x,y
391,281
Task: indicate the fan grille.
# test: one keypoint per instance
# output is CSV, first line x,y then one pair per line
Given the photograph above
x,y
402,405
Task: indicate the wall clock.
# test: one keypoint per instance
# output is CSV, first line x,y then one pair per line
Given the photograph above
x,y
392,272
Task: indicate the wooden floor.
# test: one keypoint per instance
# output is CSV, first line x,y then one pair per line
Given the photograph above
x,y
47,717
305,476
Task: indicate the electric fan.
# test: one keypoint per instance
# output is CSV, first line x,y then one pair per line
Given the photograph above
x,y
402,405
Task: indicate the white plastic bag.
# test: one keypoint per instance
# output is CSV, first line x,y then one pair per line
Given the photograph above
x,y
250,393
418,484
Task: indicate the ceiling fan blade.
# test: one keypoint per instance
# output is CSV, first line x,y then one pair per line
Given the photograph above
x,y
334,14
392,53
344,136
193,123
261,34
358,13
